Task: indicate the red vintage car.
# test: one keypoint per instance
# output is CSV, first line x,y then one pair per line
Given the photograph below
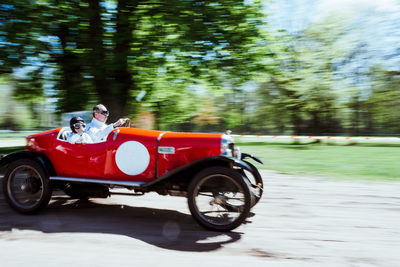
x,y
220,184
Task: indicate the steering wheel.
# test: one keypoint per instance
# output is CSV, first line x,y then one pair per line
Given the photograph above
x,y
127,123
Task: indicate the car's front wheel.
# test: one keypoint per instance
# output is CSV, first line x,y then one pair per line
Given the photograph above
x,y
255,180
26,186
219,198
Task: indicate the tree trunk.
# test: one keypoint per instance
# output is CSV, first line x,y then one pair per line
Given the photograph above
x,y
296,122
356,115
315,127
123,82
97,61
73,98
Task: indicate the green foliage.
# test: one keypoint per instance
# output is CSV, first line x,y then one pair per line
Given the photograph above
x,y
308,93
198,63
109,51
13,114
382,107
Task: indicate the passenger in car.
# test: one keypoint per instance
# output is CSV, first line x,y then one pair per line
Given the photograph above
x,y
97,128
78,134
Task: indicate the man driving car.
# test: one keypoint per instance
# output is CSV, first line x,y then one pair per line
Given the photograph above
x,y
97,129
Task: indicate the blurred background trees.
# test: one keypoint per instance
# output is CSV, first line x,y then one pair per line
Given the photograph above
x,y
109,51
197,66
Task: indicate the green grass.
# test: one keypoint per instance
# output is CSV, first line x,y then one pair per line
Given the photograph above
x,y
361,161
368,161
12,134
7,150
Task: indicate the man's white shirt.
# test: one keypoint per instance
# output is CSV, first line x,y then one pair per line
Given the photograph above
x,y
98,130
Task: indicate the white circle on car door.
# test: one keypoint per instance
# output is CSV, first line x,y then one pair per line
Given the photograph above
x,y
132,158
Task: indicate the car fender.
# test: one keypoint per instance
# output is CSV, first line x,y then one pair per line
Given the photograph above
x,y
25,154
185,173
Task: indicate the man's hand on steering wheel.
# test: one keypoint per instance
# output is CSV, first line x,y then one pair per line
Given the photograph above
x,y
121,122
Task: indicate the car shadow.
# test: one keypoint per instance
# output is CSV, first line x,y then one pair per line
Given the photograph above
x,y
163,228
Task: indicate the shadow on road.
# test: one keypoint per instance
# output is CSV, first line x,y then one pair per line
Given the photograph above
x,y
167,229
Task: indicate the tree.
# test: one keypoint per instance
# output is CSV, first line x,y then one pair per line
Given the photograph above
x,y
300,96
383,104
108,51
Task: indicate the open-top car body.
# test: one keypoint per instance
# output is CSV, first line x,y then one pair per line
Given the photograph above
x,y
220,184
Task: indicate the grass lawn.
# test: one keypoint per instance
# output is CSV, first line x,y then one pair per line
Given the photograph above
x,y
361,161
6,150
343,161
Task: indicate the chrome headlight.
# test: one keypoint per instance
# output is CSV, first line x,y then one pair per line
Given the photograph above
x,y
228,147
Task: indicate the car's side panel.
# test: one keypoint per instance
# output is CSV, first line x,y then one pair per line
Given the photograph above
x,y
128,154
79,160
42,142
178,149
117,158
132,155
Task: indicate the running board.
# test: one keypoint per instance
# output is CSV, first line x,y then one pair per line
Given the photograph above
x,y
96,181
126,194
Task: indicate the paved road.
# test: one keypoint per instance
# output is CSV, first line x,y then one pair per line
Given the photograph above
x,y
301,221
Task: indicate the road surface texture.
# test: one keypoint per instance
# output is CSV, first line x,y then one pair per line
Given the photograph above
x,y
301,221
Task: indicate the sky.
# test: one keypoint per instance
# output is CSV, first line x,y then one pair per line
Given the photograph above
x,y
376,22
295,15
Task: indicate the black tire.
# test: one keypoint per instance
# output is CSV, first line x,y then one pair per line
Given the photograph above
x,y
26,186
256,182
223,190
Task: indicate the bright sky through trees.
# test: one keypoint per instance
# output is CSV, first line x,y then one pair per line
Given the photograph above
x,y
375,22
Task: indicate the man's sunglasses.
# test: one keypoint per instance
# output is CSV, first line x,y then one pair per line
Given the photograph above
x,y
104,112
79,124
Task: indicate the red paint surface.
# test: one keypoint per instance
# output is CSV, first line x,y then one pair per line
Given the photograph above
x,y
98,160
188,148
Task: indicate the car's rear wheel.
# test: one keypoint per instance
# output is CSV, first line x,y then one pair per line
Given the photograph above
x,y
219,199
26,186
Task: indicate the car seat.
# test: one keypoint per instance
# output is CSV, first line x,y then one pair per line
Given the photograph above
x,y
64,133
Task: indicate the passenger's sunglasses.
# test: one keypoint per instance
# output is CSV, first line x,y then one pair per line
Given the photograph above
x,y
79,124
104,112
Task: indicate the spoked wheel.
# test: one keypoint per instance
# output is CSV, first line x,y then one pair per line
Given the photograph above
x,y
256,181
219,199
26,186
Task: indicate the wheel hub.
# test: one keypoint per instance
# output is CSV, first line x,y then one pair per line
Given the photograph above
x,y
219,200
30,186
